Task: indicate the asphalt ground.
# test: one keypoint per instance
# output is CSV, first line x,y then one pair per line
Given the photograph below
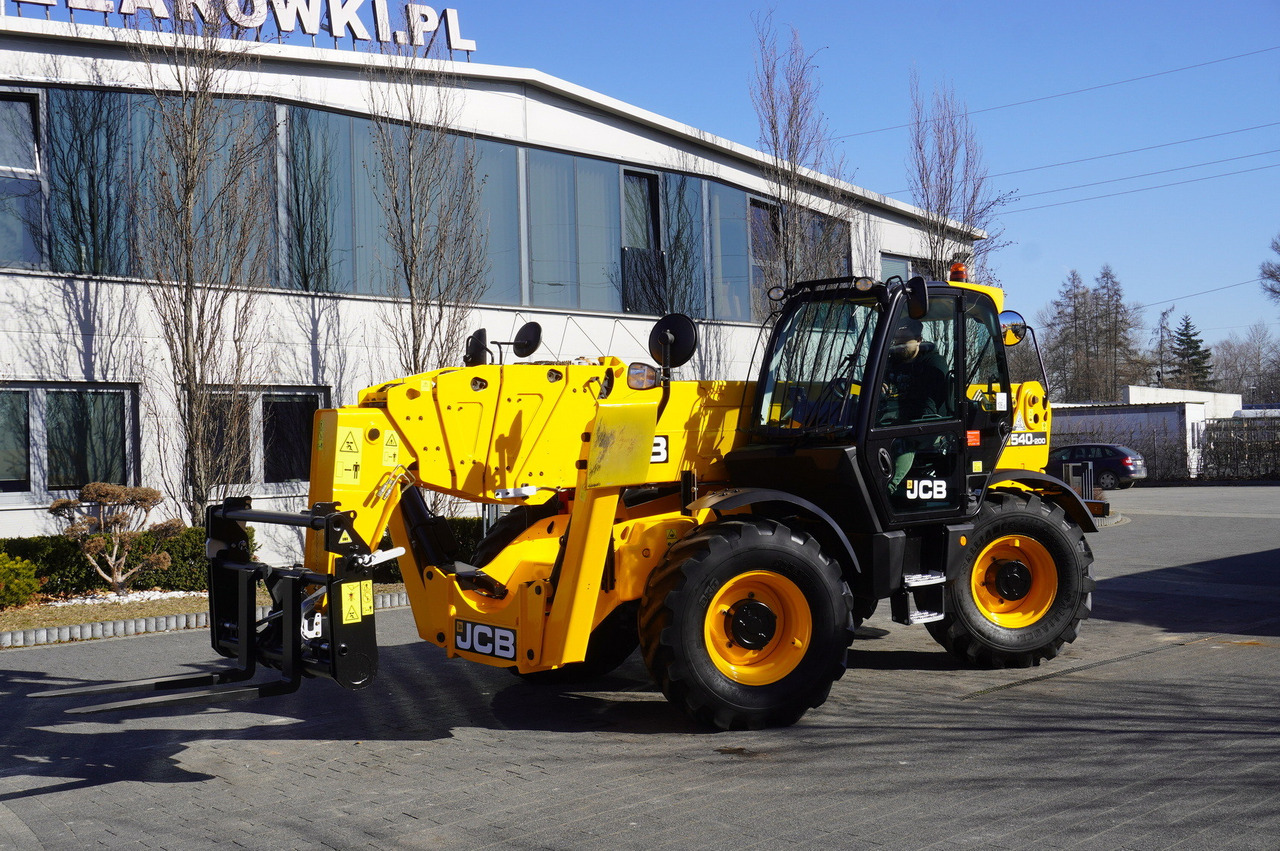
x,y
1158,728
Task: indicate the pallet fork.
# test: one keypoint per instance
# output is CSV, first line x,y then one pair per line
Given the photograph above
x,y
320,625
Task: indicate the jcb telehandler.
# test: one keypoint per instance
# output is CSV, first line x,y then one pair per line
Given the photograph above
x,y
737,532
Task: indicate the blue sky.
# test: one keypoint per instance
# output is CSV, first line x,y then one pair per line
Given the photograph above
x,y
693,62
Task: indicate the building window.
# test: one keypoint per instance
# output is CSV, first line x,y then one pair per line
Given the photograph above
x,y
20,192
575,236
729,258
287,420
644,273
903,267
766,255
60,437
15,431
266,435
85,438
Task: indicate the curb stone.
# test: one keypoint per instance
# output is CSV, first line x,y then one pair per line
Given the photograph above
x,y
144,626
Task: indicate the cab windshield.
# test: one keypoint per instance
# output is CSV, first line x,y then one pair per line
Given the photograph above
x,y
814,373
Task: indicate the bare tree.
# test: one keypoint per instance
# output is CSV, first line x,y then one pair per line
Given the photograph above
x,y
1249,366
807,234
204,211
1090,340
1270,272
426,181
948,181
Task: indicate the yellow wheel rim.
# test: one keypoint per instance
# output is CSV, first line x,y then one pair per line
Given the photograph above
x,y
1014,581
757,628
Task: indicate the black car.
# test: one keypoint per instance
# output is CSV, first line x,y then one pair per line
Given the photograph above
x,y
1113,466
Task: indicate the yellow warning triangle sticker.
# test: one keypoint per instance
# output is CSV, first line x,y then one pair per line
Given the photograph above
x,y
391,439
345,537
349,443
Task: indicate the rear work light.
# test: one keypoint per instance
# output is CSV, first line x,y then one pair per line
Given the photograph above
x,y
641,376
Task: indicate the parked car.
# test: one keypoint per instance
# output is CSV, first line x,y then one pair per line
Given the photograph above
x,y
1113,466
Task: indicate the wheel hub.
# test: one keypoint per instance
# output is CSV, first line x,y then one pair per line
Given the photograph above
x,y
751,624
1013,579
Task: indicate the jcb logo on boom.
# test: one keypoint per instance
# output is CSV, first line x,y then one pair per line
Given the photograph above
x,y
926,489
484,639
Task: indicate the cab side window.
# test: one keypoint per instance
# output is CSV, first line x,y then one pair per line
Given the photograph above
x,y
919,379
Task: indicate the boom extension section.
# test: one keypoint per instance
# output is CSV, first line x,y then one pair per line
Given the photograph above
x,y
319,625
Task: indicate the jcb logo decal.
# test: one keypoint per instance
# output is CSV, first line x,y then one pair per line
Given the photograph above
x,y
926,489
484,639
1028,438
660,453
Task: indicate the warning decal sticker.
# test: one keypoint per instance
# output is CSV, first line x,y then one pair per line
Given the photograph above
x,y
346,464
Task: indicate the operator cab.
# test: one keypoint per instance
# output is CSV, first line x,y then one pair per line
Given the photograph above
x,y
898,390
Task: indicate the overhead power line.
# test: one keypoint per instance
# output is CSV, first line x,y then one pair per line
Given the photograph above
x,y
1136,150
1119,153
1075,91
1147,174
1203,292
1144,189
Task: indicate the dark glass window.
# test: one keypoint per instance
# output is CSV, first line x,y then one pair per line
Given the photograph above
x,y
20,223
644,273
230,460
90,181
20,192
286,436
684,249
497,172
319,194
86,437
15,438
730,263
575,232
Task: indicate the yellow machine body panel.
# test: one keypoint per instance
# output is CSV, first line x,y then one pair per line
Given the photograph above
x,y
527,433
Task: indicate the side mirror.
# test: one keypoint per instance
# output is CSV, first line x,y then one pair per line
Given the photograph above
x,y
673,340
477,351
527,340
917,298
1012,327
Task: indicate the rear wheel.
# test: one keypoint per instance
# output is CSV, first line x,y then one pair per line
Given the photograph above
x,y
1022,587
1108,480
611,642
746,624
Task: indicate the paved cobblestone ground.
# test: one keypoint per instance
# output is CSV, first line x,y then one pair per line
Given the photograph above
x,y
1158,729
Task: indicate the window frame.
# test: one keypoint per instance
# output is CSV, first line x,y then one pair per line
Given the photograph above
x,y
38,490
257,436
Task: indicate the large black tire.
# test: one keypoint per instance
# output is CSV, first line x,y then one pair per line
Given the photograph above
x,y
1021,588
610,643
746,624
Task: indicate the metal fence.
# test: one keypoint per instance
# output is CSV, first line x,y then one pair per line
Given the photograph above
x,y
1246,448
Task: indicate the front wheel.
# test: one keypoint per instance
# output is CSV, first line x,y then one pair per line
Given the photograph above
x,y
746,624
1021,588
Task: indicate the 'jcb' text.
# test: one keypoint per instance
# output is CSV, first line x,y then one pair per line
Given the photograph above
x,y
485,640
926,489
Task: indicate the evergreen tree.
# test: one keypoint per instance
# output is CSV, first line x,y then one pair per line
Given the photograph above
x,y
1091,347
1191,360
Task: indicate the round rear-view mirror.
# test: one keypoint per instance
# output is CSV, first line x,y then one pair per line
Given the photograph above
x,y
1013,327
673,340
527,340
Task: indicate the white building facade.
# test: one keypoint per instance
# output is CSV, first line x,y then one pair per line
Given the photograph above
x,y
562,173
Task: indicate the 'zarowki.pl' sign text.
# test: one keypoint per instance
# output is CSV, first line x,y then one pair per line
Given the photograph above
x,y
343,18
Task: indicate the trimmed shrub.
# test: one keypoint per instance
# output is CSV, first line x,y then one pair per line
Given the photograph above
x,y
18,583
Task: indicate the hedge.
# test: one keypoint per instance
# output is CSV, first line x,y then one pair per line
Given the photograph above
x,y
64,571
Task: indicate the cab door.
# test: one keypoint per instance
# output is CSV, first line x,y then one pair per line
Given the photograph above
x,y
914,454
